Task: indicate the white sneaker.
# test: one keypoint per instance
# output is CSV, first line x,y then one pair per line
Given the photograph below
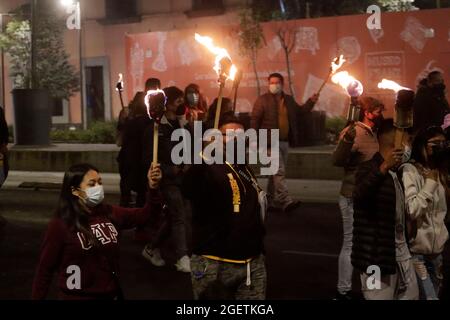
x,y
184,264
154,256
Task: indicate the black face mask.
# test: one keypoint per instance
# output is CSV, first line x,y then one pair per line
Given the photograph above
x,y
180,110
438,88
378,120
440,154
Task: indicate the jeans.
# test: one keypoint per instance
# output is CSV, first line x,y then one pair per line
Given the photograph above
x,y
430,277
277,189
216,280
345,268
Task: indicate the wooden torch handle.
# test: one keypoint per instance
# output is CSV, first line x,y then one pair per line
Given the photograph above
x,y
155,142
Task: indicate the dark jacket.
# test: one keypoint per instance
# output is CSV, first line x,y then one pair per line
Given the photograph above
x,y
374,218
219,228
130,155
165,146
265,114
430,107
4,134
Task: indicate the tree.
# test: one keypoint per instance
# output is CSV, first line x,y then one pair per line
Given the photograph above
x,y
251,39
54,72
398,5
287,34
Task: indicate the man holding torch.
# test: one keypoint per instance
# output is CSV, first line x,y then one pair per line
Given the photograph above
x,y
278,110
178,208
357,143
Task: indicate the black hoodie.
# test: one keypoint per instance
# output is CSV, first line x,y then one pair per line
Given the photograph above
x,y
430,107
226,219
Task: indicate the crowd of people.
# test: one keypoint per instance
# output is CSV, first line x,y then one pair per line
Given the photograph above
x,y
394,201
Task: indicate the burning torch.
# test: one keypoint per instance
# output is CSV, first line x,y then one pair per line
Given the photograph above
x,y
119,88
156,102
336,64
223,66
403,111
236,82
354,89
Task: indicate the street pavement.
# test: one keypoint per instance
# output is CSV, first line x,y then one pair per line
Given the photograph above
x,y
315,191
301,252
301,249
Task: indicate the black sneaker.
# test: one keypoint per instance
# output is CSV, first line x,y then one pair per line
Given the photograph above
x,y
344,296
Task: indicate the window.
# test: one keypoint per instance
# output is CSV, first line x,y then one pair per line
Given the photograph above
x,y
120,9
204,8
207,4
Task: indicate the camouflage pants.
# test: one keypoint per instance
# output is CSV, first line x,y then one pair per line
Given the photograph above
x,y
216,280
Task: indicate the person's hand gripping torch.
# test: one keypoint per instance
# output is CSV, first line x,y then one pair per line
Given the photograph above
x,y
156,101
403,111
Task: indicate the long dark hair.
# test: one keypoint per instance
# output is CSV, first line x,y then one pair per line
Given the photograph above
x,y
69,208
419,154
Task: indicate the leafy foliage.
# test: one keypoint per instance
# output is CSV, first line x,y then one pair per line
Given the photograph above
x,y
251,38
53,70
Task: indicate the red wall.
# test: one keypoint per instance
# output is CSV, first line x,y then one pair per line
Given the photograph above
x,y
402,53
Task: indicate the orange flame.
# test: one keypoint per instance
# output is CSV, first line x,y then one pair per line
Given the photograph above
x,y
337,63
391,85
220,54
343,79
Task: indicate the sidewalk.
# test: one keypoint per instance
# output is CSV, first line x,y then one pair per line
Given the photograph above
x,y
319,191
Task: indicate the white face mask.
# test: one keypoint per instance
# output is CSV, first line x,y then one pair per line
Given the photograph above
x,y
407,151
94,196
275,88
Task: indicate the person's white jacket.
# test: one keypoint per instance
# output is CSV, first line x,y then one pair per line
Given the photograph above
x,y
426,209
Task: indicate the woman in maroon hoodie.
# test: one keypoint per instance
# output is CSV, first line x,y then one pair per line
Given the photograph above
x,y
81,243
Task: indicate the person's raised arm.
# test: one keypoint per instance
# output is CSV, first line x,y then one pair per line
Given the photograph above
x,y
127,218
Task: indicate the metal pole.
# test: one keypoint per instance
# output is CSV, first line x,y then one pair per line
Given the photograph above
x,y
33,43
80,53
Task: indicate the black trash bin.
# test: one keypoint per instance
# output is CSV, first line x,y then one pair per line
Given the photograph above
x,y
32,116
311,130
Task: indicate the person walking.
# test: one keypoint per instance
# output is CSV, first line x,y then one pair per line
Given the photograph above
x,y
278,110
81,244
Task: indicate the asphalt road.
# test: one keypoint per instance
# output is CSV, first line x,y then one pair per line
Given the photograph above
x,y
302,252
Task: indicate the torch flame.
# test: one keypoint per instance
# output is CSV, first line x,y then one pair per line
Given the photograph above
x,y
391,85
119,86
350,84
337,63
220,54
147,99
343,79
